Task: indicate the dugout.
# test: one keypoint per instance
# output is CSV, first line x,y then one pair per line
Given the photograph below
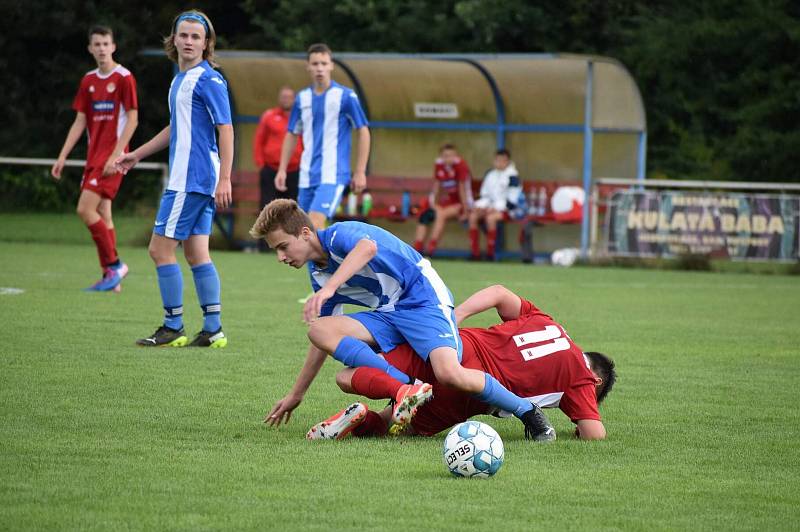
x,y
566,118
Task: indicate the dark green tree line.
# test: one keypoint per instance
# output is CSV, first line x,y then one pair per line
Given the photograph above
x,y
719,78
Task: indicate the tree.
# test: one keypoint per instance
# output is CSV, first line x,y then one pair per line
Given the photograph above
x,y
718,78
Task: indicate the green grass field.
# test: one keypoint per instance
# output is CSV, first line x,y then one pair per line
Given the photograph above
x,y
98,434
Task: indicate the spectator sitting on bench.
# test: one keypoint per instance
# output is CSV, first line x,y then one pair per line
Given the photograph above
x,y
449,198
500,192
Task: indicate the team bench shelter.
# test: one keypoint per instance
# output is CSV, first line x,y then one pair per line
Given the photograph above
x,y
565,118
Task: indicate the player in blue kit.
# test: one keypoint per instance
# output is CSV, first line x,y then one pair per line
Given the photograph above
x,y
199,179
360,264
325,114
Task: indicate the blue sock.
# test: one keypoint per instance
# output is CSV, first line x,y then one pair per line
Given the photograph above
x,y
355,353
206,282
498,395
170,282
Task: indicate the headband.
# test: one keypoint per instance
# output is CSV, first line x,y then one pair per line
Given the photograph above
x,y
192,17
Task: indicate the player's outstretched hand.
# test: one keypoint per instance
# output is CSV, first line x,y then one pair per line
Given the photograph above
x,y
282,410
280,181
125,162
223,195
313,306
57,168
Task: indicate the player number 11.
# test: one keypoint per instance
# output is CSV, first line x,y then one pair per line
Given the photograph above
x,y
551,334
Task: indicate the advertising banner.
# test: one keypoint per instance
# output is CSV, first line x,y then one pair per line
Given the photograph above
x,y
721,225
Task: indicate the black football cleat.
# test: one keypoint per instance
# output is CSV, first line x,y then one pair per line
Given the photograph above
x,y
214,339
537,426
164,337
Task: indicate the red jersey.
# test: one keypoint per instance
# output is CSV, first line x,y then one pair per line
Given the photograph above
x,y
535,358
532,356
268,140
105,99
450,178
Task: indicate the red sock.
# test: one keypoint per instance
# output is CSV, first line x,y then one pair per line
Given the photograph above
x,y
373,425
418,246
491,240
112,234
432,246
374,383
102,240
474,242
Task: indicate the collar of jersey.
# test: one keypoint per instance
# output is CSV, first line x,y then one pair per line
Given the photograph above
x,y
204,64
321,234
323,93
106,76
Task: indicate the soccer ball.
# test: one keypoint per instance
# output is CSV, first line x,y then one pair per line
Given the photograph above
x,y
564,257
473,449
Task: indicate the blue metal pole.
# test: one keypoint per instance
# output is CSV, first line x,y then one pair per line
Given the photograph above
x,y
641,158
587,159
500,106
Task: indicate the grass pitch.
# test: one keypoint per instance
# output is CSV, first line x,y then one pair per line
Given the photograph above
x,y
96,433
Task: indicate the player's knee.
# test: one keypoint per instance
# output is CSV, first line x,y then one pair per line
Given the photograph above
x,y
83,213
158,254
322,336
196,258
153,252
450,375
314,334
343,380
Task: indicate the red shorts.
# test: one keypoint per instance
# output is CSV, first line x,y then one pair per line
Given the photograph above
x,y
448,406
105,186
448,201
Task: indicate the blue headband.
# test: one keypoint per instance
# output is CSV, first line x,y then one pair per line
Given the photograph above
x,y
194,17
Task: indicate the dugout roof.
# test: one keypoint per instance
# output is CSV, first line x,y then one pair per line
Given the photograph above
x,y
553,111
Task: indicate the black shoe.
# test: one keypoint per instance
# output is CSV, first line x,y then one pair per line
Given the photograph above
x,y
165,337
209,339
537,426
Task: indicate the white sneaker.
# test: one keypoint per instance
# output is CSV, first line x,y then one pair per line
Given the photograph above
x,y
340,424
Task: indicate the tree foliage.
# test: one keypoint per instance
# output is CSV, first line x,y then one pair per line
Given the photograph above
x,y
719,78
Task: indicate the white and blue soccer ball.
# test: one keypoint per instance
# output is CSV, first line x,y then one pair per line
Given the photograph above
x,y
473,449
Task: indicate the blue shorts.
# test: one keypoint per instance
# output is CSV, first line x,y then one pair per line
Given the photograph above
x,y
424,328
183,214
321,198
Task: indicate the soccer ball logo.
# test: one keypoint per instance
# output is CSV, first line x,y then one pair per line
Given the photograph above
x,y
473,449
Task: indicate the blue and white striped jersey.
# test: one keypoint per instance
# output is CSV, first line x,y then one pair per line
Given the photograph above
x,y
397,277
326,121
198,102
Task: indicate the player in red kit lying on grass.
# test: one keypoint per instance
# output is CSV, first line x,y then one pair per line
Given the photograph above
x,y
528,352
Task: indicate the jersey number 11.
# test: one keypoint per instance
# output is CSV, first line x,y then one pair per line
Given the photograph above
x,y
551,335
